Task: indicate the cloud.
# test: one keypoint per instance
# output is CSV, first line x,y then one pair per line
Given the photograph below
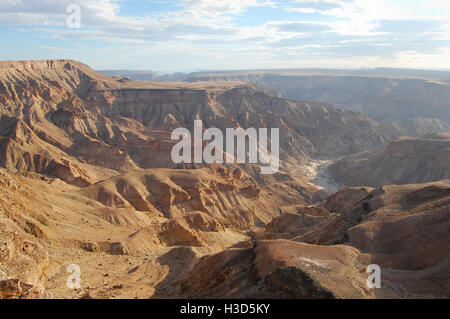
x,y
103,19
358,17
227,30
410,25
54,12
311,6
221,7
301,27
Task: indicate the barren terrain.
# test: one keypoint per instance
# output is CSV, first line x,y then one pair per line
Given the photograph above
x,y
87,179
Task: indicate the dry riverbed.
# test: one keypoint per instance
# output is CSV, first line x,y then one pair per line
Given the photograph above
x,y
317,174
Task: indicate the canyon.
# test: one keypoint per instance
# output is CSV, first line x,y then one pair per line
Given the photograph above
x,y
87,178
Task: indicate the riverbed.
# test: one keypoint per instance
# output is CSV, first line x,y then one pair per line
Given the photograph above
x,y
317,174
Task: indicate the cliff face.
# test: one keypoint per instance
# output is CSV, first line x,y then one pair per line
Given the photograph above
x,y
405,161
384,98
415,127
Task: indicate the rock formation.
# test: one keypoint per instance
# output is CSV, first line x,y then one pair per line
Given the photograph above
x,y
87,179
386,95
405,161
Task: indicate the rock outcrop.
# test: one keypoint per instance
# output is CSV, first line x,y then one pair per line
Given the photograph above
x,y
279,269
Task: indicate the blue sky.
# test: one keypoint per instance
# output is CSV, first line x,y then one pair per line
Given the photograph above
x,y
191,35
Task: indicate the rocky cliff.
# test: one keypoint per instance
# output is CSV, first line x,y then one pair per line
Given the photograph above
x,y
405,161
389,95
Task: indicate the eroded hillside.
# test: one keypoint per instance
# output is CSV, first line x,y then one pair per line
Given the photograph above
x,y
87,179
405,161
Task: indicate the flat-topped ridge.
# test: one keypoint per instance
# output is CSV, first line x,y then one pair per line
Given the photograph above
x,y
47,64
36,67
43,64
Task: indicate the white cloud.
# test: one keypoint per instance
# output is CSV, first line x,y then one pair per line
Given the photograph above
x,y
355,17
54,12
375,31
220,7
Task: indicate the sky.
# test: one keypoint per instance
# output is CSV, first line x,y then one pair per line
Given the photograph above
x,y
194,35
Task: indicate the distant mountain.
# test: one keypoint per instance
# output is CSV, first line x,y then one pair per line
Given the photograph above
x,y
380,72
137,75
383,94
